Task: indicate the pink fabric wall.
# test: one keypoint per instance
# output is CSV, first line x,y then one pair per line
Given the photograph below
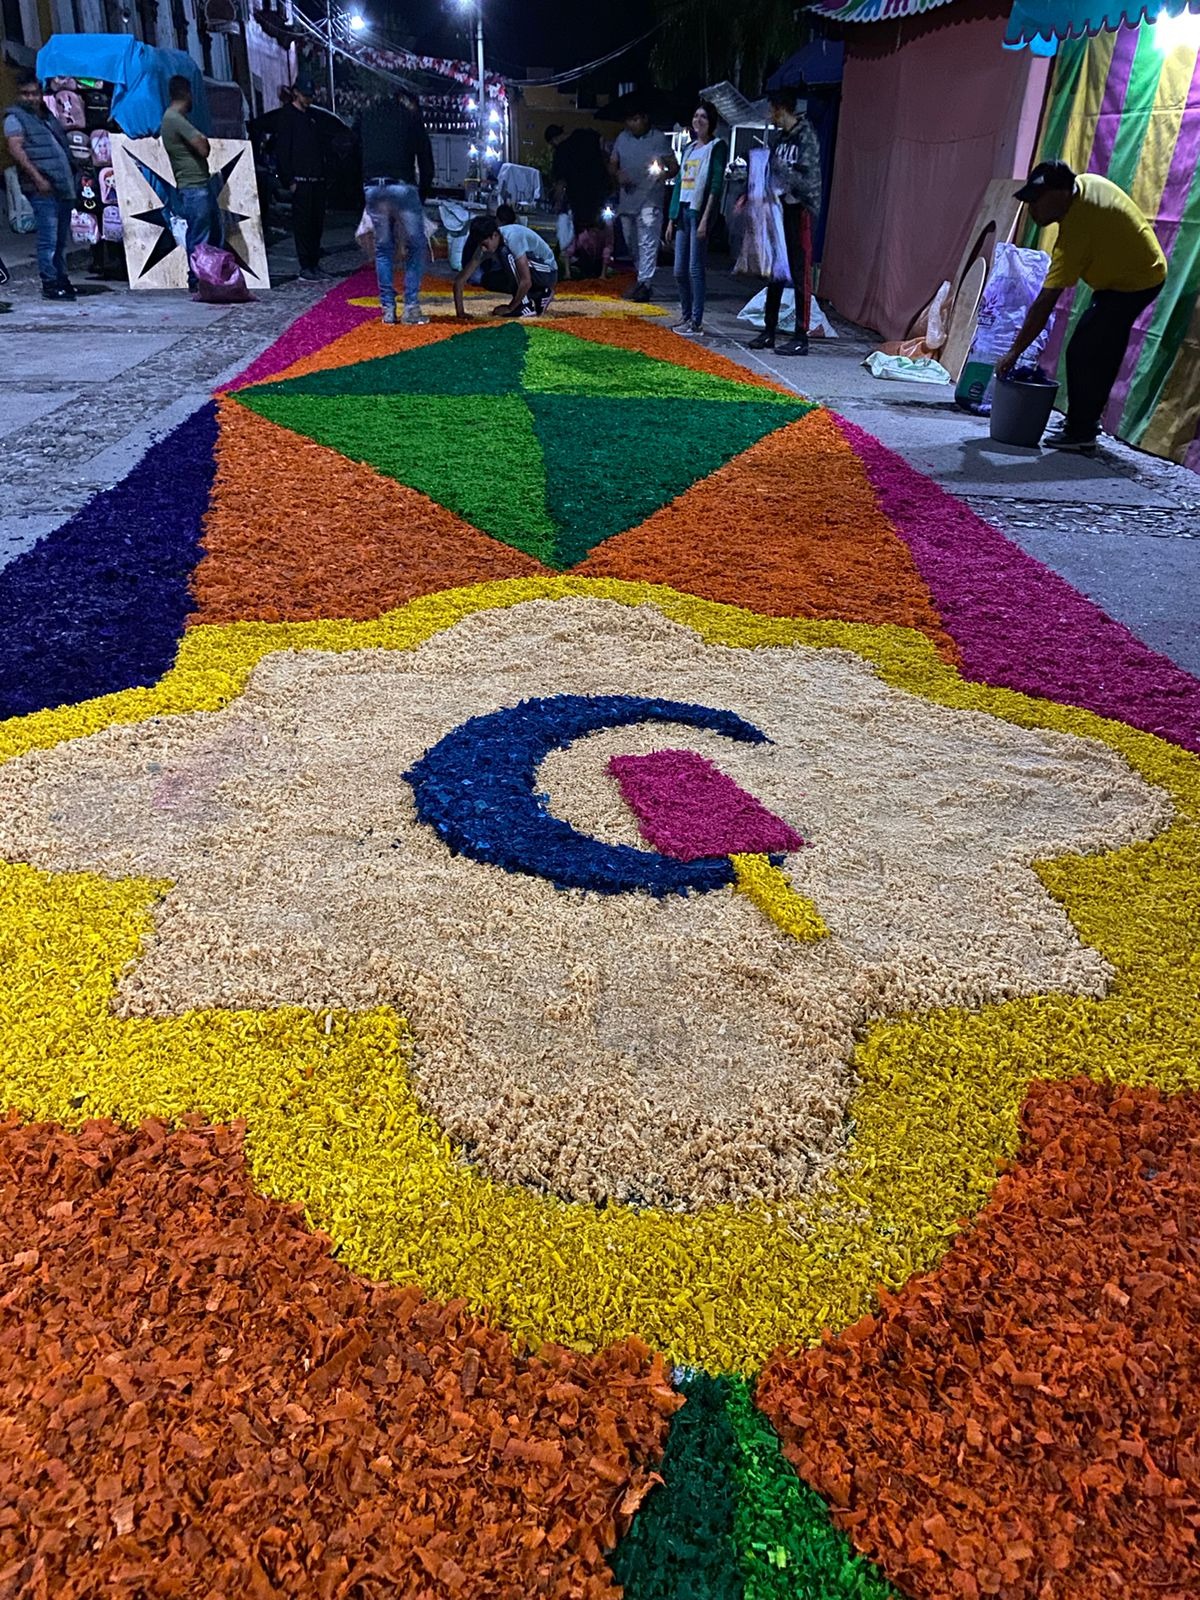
x,y
932,109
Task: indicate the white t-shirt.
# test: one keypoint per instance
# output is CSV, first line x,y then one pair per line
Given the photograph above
x,y
524,242
634,159
694,169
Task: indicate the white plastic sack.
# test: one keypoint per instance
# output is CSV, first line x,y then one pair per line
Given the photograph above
x,y
1013,284
20,212
754,312
566,231
905,370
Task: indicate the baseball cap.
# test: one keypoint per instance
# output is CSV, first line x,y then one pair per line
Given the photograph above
x,y
305,86
1046,176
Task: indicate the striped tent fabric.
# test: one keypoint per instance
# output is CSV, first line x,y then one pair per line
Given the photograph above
x,y
873,10
1127,104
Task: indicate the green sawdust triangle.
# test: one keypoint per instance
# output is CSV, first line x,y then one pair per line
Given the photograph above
x,y
610,463
731,1519
475,454
484,361
560,363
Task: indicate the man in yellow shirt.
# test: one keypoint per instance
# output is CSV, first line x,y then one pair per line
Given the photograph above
x,y
1105,241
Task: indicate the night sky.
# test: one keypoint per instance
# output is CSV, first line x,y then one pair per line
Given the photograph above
x,y
518,33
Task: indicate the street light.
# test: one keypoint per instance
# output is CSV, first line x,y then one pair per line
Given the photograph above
x,y
477,5
357,22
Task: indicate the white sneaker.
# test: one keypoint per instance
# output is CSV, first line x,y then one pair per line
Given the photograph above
x,y
389,316
684,325
413,316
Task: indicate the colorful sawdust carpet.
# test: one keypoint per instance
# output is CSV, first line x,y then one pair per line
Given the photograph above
x,y
600,991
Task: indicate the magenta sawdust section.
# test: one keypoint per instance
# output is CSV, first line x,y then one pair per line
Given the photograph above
x,y
1017,624
331,317
689,809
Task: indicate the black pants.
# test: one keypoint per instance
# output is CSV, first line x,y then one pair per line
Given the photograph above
x,y
797,260
541,279
1096,351
308,221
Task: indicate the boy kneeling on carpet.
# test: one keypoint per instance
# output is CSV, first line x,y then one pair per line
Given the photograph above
x,y
527,262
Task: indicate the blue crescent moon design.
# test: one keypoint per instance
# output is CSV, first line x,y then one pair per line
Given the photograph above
x,y
475,788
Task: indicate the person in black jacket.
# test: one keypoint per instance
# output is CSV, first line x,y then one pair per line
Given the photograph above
x,y
397,177
303,141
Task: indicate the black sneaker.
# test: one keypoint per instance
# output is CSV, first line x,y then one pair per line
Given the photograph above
x,y
53,291
1062,438
68,289
762,341
640,292
795,347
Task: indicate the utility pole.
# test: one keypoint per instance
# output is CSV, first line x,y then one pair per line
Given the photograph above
x,y
482,81
329,41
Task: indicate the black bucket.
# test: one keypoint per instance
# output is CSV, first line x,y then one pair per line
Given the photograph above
x,y
1021,407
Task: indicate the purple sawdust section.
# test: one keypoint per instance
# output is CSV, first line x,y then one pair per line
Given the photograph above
x,y
332,316
100,604
688,809
1016,623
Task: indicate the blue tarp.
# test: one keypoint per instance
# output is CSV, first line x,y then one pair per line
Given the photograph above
x,y
814,64
140,76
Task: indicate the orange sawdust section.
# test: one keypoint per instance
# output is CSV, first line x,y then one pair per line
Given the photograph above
x,y
296,532
1022,1422
652,339
196,1400
790,528
368,340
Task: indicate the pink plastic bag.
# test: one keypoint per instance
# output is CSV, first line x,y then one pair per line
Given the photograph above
x,y
220,278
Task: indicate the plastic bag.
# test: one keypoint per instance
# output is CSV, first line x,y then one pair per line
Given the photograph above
x,y
219,277
566,231
754,312
906,370
1013,284
20,212
364,236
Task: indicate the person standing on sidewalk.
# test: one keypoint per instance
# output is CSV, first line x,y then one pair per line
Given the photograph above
x,y
1105,241
794,180
37,142
642,162
694,201
188,151
303,149
397,177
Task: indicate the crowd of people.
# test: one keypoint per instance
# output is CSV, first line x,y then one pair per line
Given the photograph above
x,y
1103,239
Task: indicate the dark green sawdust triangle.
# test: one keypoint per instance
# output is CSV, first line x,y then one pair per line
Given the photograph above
x,y
475,454
561,363
731,1520
611,462
483,361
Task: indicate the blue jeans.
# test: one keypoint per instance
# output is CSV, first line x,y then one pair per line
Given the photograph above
x,y
53,219
198,208
691,258
396,208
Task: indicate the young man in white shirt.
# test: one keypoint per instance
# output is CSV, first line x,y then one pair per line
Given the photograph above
x,y
527,258
642,162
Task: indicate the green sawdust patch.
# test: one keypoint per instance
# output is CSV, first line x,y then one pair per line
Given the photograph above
x,y
475,454
559,363
611,463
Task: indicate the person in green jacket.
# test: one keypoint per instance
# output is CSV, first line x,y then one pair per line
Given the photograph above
x,y
694,201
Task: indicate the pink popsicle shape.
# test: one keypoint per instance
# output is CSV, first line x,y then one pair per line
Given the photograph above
x,y
687,808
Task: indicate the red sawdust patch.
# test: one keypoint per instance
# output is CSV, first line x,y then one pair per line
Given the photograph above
x,y
1023,1422
652,339
791,528
296,532
196,1400
367,341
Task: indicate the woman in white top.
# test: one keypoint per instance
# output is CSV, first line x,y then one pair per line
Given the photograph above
x,y
694,201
